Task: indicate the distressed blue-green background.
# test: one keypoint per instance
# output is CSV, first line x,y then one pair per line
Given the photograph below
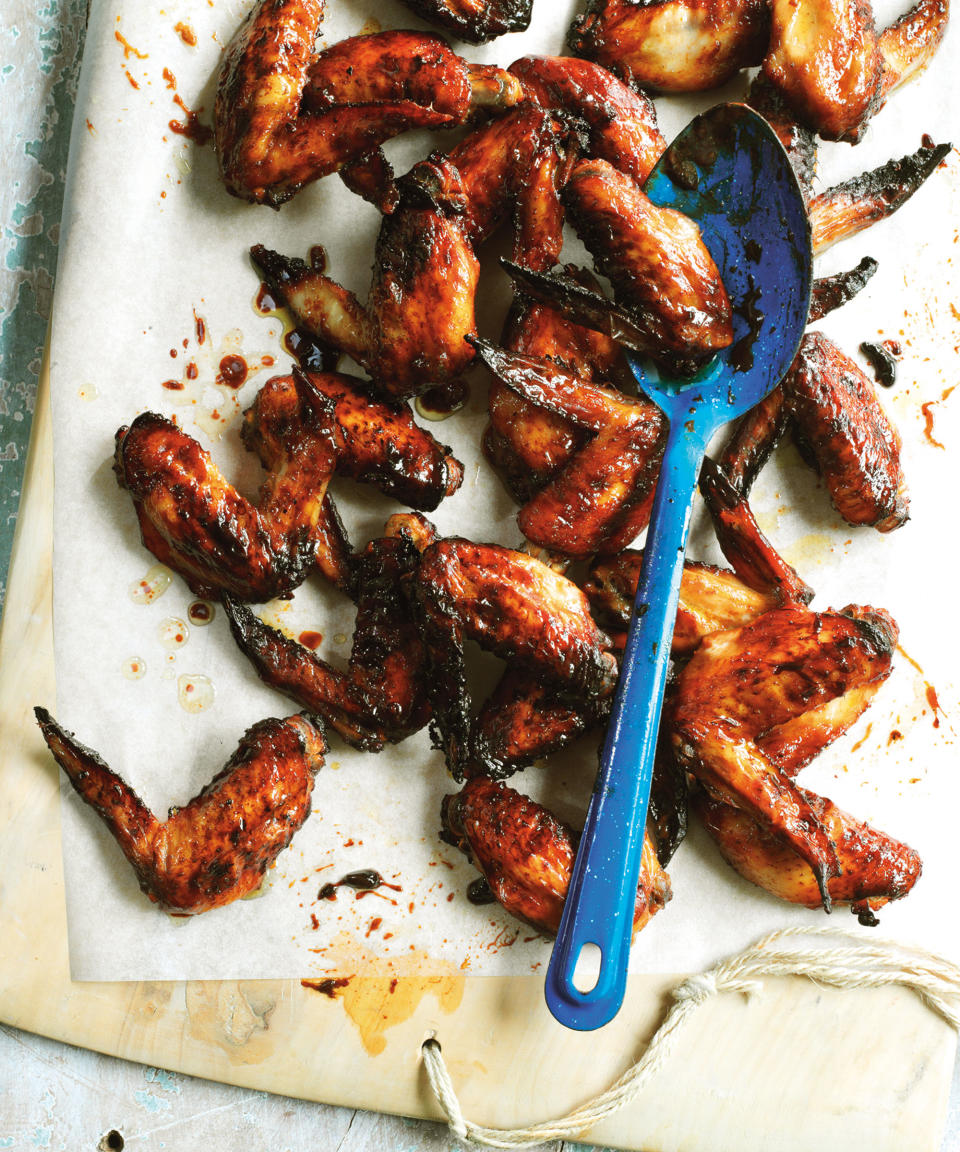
x,y
40,49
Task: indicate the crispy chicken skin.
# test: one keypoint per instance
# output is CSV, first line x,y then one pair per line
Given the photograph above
x,y
621,124
514,606
875,868
755,704
217,847
798,141
673,45
475,21
286,115
656,261
411,336
909,44
382,444
526,854
381,696
192,519
600,500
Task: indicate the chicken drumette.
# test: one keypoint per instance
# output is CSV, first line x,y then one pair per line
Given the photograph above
x,y
217,847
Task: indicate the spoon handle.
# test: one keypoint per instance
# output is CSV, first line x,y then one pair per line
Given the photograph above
x,y
600,901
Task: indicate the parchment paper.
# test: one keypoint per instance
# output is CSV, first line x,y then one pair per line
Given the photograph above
x,y
151,244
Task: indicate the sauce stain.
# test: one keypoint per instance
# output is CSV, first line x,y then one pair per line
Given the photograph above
x,y
200,613
364,881
233,371
173,633
331,986
441,402
134,668
186,33
311,640
195,692
128,48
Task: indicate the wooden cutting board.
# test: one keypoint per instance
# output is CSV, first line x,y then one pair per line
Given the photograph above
x,y
798,1067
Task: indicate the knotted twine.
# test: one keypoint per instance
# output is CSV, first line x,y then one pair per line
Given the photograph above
x,y
854,963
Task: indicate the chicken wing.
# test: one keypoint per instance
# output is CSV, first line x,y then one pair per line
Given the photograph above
x,y
410,336
286,115
673,45
526,854
621,124
381,443
381,696
874,867
193,520
600,500
656,261
755,704
514,606
217,847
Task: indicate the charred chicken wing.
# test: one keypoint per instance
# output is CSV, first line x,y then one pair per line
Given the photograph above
x,y
475,21
526,854
218,847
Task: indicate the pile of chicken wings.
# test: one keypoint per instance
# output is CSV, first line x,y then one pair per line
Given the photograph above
x,y
761,682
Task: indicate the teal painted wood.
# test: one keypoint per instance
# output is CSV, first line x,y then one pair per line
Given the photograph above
x,y
40,50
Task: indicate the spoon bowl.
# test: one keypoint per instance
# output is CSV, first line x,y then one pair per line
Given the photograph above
x,y
728,172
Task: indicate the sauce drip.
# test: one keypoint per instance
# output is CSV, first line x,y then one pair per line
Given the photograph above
x,y
186,33
479,892
312,355
233,371
440,402
310,640
329,987
741,355
363,881
200,613
882,360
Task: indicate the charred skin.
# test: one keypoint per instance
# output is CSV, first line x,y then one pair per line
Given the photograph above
x,y
621,123
475,21
851,206
286,115
830,292
673,45
841,428
798,141
526,854
380,698
218,847
755,704
192,519
513,606
655,259
600,500
875,868
382,445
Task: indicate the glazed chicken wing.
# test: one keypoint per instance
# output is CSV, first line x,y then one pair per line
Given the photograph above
x,y
756,704
600,500
673,45
526,854
621,124
192,519
286,115
514,606
874,867
656,261
411,336
381,696
218,847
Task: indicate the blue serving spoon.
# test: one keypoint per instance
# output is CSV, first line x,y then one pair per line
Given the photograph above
x,y
729,173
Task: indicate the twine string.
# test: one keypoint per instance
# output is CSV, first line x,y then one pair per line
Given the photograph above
x,y
849,963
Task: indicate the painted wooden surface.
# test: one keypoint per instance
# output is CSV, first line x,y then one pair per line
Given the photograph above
x,y
800,1068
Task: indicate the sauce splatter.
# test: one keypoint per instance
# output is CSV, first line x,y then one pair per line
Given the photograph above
x,y
441,402
233,371
479,892
926,409
200,613
311,640
156,581
173,633
186,33
362,882
195,693
134,668
330,987
934,704
128,48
